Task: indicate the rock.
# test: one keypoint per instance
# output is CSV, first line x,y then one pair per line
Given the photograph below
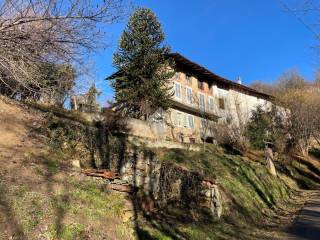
x,y
76,164
212,200
121,188
176,189
271,168
217,202
207,193
120,182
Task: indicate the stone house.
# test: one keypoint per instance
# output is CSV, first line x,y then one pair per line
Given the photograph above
x,y
200,98
82,103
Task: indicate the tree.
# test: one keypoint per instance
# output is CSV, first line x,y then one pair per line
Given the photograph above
x,y
304,106
92,95
289,80
262,87
142,82
267,125
257,129
37,32
56,82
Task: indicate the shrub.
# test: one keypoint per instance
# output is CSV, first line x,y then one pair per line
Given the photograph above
x,y
267,126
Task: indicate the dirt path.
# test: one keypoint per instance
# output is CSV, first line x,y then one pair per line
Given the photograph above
x,y
307,224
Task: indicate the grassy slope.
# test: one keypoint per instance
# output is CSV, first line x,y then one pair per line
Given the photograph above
x,y
256,203
41,197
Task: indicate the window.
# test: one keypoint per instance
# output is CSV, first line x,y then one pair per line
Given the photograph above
x,y
221,103
201,102
190,121
189,95
179,119
185,120
211,105
177,90
203,123
188,79
200,85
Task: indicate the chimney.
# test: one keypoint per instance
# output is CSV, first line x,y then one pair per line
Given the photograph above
x,y
239,81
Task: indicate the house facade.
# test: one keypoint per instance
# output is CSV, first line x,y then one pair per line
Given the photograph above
x,y
202,98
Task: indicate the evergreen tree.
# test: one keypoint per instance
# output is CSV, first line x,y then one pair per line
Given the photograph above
x,y
141,83
258,128
267,126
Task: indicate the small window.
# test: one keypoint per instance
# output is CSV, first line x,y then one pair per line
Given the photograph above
x,y
211,104
177,90
192,140
188,79
189,95
190,121
221,103
185,120
200,85
179,119
201,102
203,123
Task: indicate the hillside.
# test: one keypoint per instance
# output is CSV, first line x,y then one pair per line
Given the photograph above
x,y
44,197
41,196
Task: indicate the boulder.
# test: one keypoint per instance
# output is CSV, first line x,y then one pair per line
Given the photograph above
x,y
76,164
271,168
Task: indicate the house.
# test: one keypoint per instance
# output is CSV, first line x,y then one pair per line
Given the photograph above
x,y
86,102
200,98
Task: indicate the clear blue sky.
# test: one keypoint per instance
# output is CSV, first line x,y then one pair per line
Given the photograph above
x,y
254,39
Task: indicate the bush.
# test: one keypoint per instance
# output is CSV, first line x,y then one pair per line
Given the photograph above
x,y
267,126
229,136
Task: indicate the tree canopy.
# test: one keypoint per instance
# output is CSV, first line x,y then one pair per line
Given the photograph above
x,y
142,82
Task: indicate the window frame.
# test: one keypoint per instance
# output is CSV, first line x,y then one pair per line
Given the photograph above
x,y
187,100
179,120
190,117
204,101
180,90
200,84
188,79
211,106
222,103
203,126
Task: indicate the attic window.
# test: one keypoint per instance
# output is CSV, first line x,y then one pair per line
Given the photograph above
x,y
188,79
201,85
221,103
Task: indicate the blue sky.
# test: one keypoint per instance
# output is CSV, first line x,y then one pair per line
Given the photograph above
x,y
254,39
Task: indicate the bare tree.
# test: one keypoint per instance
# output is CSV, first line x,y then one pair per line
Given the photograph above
x,y
33,32
304,106
307,12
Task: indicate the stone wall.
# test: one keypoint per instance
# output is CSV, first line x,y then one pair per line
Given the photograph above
x,y
165,183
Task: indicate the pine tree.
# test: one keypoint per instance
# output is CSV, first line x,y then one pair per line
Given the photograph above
x,y
141,83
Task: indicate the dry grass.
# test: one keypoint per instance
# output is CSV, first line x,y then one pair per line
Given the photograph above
x,y
41,196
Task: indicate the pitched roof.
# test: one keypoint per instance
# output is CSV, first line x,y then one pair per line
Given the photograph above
x,y
204,74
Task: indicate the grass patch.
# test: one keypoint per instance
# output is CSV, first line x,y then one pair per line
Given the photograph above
x,y
250,193
69,232
93,202
29,206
